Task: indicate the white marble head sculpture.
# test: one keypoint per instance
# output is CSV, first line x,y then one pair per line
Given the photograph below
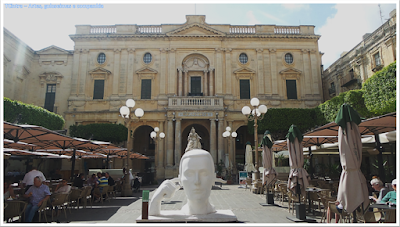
x,y
197,175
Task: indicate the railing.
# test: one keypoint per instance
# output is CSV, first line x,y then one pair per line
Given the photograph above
x,y
242,29
156,29
103,29
195,101
286,30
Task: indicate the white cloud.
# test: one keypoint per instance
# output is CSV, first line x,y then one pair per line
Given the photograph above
x,y
252,19
296,7
345,29
276,19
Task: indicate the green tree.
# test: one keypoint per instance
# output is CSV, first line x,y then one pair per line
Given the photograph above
x,y
114,133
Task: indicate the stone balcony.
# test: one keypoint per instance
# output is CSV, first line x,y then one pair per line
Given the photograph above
x,y
196,103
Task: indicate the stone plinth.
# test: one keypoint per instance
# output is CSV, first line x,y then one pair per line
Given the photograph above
x,y
177,216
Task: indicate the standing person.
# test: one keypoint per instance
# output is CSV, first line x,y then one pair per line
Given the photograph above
x,y
136,184
378,186
27,182
37,195
390,197
111,181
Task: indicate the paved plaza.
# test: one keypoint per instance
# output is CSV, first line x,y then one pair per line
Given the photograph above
x,y
244,204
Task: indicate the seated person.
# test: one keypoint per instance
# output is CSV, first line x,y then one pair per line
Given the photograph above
x,y
111,181
101,183
78,181
92,180
378,186
62,188
339,207
390,197
8,190
38,194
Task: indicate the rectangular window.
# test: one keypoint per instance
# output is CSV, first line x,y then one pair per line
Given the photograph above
x,y
50,97
146,89
333,85
195,86
244,89
377,59
98,91
291,89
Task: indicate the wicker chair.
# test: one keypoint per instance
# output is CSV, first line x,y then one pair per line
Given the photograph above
x,y
59,201
43,209
75,196
104,193
14,209
88,196
324,201
283,190
248,183
111,191
343,216
293,198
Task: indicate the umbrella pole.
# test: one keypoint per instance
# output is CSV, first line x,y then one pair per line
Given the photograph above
x,y
73,164
380,160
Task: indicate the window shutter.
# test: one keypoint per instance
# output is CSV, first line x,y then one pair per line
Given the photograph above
x,y
50,97
291,89
98,91
195,85
244,89
146,89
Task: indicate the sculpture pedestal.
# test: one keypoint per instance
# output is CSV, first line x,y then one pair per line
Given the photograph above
x,y
173,216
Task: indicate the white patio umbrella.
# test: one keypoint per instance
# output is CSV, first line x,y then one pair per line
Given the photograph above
x,y
269,173
249,166
298,176
353,190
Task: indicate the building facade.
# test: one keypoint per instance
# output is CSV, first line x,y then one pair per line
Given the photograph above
x,y
375,51
182,75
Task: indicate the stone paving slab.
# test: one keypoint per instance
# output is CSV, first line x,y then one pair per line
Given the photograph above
x,y
244,204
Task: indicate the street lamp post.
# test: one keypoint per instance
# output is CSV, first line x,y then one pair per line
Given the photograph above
x,y
153,135
227,134
257,113
125,112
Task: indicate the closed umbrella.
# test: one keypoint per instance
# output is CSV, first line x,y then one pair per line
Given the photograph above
x,y
249,166
298,176
353,190
269,173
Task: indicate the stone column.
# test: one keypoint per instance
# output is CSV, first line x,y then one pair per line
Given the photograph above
x,y
160,145
75,72
131,71
221,154
172,73
178,142
211,81
83,73
122,73
274,75
163,73
117,56
205,86
315,72
213,136
267,73
260,75
170,145
180,82
307,76
218,72
186,91
228,74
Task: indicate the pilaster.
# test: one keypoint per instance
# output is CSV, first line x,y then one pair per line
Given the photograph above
x,y
220,140
260,75
172,73
178,142
274,74
131,70
314,72
213,136
163,74
82,76
218,72
117,57
307,76
122,72
228,72
170,145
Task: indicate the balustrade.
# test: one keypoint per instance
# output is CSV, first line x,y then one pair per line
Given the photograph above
x,y
103,29
150,29
286,30
195,101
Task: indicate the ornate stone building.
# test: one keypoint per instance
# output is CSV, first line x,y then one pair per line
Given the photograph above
x,y
182,75
375,51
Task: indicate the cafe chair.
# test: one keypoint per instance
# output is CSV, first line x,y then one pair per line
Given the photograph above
x,y
75,196
104,193
88,196
283,189
324,201
248,184
344,217
111,191
14,209
294,198
59,201
43,209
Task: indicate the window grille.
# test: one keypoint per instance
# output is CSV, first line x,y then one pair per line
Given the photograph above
x,y
289,58
101,58
147,58
243,58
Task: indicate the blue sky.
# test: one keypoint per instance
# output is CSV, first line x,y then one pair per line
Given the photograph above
x,y
341,24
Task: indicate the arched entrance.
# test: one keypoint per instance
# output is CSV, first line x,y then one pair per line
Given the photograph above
x,y
242,137
143,144
201,131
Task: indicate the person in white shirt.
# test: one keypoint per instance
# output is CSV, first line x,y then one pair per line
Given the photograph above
x,y
63,188
27,182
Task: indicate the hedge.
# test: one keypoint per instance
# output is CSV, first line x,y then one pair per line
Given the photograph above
x,y
380,91
279,120
31,114
354,98
114,133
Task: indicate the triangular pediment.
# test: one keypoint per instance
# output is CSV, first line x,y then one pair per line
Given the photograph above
x,y
52,50
195,30
290,71
146,70
99,70
244,70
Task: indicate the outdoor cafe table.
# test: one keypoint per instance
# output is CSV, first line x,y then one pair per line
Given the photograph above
x,y
390,211
309,190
